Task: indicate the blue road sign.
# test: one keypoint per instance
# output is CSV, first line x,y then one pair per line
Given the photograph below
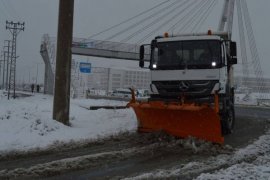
x,y
85,67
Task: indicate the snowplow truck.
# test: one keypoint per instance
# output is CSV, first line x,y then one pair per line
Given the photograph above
x,y
192,91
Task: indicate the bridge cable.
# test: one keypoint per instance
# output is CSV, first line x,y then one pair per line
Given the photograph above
x,y
141,21
129,19
165,23
113,46
253,49
195,16
242,44
203,18
184,18
157,20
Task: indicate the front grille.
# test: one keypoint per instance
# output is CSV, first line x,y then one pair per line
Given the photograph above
x,y
188,88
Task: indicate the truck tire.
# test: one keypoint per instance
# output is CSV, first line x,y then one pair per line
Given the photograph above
x,y
228,121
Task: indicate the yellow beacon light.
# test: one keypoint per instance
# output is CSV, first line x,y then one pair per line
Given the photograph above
x,y
209,32
166,34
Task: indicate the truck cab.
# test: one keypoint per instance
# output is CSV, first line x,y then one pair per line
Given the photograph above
x,y
194,66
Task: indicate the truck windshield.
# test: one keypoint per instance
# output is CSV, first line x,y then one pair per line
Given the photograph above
x,y
197,54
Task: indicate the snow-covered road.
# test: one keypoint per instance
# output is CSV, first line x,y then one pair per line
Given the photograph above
x,y
26,125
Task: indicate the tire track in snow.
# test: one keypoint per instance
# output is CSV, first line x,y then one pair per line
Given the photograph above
x,y
212,164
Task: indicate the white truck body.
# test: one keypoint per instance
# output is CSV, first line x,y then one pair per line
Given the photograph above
x,y
218,74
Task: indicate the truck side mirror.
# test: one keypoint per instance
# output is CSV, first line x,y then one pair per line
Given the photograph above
x,y
141,63
233,53
233,49
141,52
233,60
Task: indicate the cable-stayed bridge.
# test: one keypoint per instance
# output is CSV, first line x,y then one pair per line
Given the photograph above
x,y
106,49
122,40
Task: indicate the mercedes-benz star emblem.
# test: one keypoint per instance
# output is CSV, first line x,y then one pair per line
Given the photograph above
x,y
184,86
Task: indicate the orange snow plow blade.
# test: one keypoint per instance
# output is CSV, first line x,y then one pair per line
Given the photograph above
x,y
183,120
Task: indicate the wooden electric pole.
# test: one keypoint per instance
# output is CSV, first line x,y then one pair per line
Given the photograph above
x,y
61,103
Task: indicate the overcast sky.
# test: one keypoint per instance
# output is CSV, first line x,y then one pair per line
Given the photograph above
x,y
92,16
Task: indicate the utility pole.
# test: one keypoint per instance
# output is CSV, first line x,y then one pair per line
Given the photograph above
x,y
3,60
15,29
7,57
61,103
6,69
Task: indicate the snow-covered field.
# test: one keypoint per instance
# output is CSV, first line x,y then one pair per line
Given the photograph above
x,y
252,99
26,123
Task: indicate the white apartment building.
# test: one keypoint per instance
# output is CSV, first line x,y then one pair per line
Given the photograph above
x,y
109,79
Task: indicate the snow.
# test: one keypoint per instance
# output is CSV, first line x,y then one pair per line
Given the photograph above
x,y
251,162
26,123
242,171
252,99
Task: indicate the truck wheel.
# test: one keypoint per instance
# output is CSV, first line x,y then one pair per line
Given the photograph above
x,y
228,121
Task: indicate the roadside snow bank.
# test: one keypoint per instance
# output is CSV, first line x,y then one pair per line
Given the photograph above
x,y
26,123
251,162
241,171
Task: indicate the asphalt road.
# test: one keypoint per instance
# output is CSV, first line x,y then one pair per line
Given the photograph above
x,y
251,122
133,154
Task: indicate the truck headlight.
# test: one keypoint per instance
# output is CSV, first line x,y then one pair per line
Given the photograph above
x,y
214,64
